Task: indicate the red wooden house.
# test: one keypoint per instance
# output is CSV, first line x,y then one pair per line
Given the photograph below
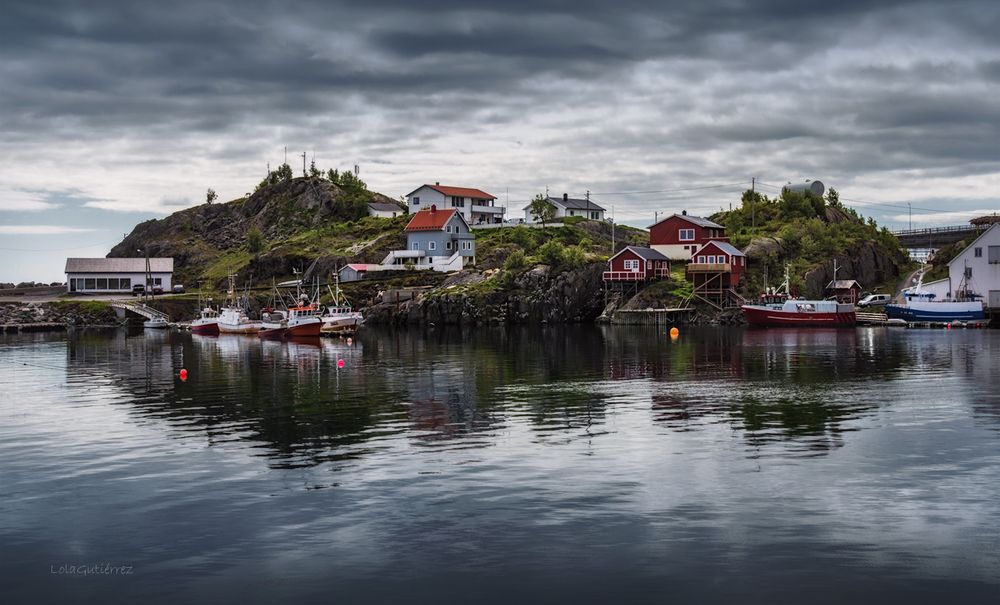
x,y
716,270
844,290
681,235
635,264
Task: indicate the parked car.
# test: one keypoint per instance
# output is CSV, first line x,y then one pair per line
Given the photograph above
x,y
875,300
157,290
178,289
138,290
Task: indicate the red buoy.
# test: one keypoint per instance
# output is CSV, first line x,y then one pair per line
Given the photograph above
x,y
183,374
340,363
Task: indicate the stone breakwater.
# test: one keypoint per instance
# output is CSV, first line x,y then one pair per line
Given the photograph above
x,y
53,315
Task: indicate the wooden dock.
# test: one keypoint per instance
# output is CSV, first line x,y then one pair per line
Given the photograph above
x,y
651,317
33,327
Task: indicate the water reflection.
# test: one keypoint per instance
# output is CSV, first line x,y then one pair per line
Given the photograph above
x,y
806,389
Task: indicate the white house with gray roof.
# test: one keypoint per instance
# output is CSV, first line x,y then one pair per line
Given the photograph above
x,y
568,206
116,275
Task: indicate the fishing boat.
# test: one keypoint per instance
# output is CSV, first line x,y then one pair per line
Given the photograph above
x,y
339,318
920,306
233,318
156,323
301,319
776,308
208,320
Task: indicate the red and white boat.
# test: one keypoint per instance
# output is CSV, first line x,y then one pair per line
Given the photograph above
x,y
801,312
297,321
207,322
234,318
776,308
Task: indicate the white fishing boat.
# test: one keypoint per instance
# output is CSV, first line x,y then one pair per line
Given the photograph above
x,y
921,306
156,323
234,318
339,317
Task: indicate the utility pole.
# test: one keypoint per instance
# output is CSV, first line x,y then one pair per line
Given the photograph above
x,y
304,163
286,154
753,202
612,229
910,208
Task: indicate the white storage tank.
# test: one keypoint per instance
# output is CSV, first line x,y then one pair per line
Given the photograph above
x,y
814,187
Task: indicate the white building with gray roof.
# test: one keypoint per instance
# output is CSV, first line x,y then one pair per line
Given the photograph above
x,y
568,206
116,275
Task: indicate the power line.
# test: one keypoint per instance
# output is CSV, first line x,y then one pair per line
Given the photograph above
x,y
668,190
58,249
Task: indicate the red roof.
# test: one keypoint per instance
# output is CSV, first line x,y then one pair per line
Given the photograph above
x,y
458,192
358,266
430,220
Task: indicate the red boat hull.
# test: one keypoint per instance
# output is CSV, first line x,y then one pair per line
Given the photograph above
x,y
272,333
211,329
308,329
762,316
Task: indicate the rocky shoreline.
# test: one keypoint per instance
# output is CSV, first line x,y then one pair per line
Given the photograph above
x,y
32,316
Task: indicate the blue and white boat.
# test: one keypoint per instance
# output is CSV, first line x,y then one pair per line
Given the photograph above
x,y
920,306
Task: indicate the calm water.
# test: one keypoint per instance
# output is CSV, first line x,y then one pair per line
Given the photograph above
x,y
545,465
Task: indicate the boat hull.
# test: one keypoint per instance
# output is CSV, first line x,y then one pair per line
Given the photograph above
x,y
765,316
937,312
210,328
311,328
153,324
245,328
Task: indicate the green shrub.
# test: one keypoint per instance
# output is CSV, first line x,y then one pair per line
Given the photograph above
x,y
515,260
551,253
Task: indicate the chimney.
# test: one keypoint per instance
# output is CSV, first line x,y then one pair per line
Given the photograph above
x,y
565,197
437,183
684,212
434,207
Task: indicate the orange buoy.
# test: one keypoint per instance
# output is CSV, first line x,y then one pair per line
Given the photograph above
x,y
674,332
183,374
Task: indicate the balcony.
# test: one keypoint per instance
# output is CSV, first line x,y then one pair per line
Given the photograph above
x,y
709,268
623,276
488,209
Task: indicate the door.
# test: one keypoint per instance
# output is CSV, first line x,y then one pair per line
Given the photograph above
x,y
994,299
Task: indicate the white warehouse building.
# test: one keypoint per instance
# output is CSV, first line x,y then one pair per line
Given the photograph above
x,y
116,275
975,271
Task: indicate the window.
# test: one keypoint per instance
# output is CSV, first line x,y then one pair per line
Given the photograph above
x,y
447,245
125,283
701,259
572,213
722,258
157,281
685,235
447,229
72,285
102,283
89,284
968,272
432,245
458,202
416,201
415,246
631,264
994,254
978,252
595,215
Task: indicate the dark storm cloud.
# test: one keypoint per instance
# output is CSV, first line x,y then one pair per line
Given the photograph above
x,y
780,85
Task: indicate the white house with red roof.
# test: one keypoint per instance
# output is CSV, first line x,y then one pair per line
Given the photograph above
x,y
475,205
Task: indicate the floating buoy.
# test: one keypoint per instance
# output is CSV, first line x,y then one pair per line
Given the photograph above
x,y
183,374
674,332
340,363
350,341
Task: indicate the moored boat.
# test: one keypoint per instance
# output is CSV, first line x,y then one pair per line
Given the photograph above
x,y
156,323
920,308
800,312
207,322
233,318
339,318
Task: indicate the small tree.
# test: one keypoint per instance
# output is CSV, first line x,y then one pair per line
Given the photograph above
x,y
333,176
313,170
515,260
541,210
255,240
552,253
211,196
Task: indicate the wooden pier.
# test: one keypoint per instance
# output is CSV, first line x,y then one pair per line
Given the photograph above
x,y
33,327
650,317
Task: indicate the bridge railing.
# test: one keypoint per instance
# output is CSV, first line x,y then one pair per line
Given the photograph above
x,y
936,230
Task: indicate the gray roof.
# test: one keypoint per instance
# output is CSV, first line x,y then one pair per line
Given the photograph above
x,y
697,220
575,203
118,265
725,247
385,207
645,253
843,284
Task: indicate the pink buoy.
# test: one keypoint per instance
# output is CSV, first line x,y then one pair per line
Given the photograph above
x,y
350,341
340,363
183,374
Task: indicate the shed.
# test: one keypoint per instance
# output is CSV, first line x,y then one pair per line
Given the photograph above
x,y
844,290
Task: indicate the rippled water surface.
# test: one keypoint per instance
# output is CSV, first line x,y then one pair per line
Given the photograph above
x,y
540,465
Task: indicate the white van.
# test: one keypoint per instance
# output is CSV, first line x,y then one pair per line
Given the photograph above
x,y
875,300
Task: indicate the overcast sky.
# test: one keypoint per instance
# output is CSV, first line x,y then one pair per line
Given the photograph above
x,y
112,113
